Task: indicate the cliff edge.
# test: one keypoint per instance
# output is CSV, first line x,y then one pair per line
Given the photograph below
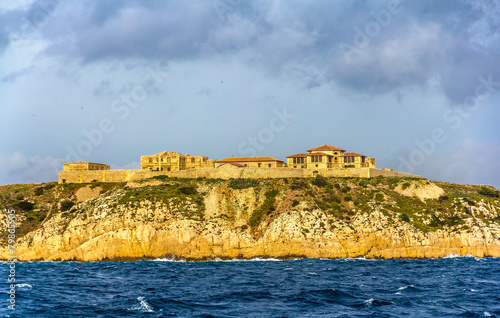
x,y
246,218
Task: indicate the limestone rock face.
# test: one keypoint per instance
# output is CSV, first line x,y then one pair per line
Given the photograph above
x,y
107,228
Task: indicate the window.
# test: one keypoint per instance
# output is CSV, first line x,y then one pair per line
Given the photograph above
x,y
316,166
295,166
150,160
168,169
192,160
335,153
316,158
363,159
246,165
329,159
259,164
298,160
269,165
348,159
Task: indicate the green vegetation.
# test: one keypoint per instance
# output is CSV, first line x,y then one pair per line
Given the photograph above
x,y
332,195
405,217
319,181
162,177
266,208
178,196
66,205
379,197
299,184
243,183
24,206
489,192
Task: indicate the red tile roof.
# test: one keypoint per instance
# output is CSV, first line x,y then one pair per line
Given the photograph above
x,y
248,159
352,154
237,164
325,147
299,155
318,154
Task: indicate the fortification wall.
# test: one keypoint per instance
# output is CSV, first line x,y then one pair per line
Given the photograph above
x,y
222,173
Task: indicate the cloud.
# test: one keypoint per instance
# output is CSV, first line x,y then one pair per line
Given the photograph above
x,y
409,58
19,168
230,63
468,161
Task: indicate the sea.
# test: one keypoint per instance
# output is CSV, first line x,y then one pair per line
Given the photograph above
x,y
448,287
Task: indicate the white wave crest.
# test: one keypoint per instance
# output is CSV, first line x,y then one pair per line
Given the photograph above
x,y
143,306
369,302
168,260
24,285
457,256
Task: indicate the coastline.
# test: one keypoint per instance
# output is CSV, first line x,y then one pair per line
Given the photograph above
x,y
200,220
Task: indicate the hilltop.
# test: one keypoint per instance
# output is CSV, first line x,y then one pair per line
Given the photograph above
x,y
202,219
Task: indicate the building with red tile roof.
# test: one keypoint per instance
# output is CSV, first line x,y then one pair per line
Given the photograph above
x,y
329,157
258,162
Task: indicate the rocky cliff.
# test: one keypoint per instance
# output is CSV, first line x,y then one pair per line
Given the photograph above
x,y
247,218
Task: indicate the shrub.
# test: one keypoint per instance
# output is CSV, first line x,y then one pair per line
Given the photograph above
x,y
346,189
489,192
243,183
25,206
405,217
38,191
405,185
266,208
322,205
66,205
298,185
295,203
443,198
187,190
160,177
336,185
19,197
379,197
332,197
347,198
319,181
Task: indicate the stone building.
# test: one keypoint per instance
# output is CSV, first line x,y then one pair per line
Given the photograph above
x,y
83,166
257,162
174,161
329,157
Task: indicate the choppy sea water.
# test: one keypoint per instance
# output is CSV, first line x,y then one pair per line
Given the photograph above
x,y
450,287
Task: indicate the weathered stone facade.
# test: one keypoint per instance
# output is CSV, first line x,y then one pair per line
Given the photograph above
x,y
324,160
81,166
256,162
329,157
226,171
174,161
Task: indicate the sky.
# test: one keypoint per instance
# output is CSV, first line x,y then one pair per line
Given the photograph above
x,y
414,84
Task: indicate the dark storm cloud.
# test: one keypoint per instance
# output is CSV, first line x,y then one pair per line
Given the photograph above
x,y
170,30
372,47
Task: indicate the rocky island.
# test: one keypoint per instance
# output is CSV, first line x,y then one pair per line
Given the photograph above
x,y
206,219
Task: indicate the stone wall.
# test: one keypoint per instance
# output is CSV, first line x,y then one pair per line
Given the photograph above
x,y
224,172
